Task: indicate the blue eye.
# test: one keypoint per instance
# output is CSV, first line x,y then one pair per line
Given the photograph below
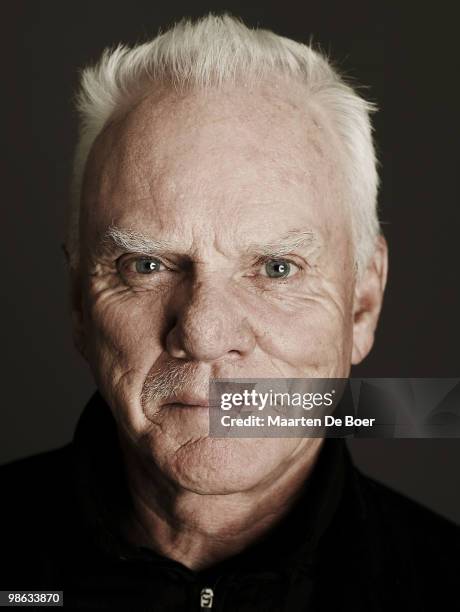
x,y
277,268
147,265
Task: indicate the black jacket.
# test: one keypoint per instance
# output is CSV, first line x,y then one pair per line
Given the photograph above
x,y
349,543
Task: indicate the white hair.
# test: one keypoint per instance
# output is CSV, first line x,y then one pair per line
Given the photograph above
x,y
212,52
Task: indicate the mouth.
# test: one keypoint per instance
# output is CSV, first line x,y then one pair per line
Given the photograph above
x,y
186,401
184,406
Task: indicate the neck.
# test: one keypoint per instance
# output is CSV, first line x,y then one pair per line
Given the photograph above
x,y
200,530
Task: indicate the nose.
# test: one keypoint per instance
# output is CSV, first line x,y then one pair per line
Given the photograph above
x,y
209,325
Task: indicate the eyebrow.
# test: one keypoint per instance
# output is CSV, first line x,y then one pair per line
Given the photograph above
x,y
295,240
116,238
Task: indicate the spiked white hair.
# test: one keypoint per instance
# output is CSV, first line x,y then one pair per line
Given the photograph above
x,y
212,52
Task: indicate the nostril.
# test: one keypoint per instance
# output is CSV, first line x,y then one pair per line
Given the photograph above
x,y
174,346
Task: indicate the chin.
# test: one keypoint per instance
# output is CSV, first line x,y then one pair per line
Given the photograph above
x,y
213,466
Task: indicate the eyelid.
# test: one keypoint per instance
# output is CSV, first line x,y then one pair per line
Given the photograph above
x,y
289,258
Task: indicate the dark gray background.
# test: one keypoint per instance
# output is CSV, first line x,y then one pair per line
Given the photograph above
x,y
405,60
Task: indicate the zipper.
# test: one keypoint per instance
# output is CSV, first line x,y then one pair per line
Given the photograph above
x,y
206,598
207,595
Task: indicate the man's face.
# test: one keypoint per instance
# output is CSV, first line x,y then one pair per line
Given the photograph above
x,y
251,275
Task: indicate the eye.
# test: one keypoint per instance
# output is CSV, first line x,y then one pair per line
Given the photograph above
x,y
147,265
143,271
140,265
279,268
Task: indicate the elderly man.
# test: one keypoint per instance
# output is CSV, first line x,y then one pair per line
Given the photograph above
x,y
223,226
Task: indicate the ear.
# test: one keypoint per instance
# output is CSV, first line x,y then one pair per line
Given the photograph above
x,y
76,304
368,299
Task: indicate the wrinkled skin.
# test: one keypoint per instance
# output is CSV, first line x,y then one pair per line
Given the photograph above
x,y
215,176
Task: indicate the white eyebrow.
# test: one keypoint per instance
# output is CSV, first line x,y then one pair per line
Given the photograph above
x,y
133,241
137,242
293,241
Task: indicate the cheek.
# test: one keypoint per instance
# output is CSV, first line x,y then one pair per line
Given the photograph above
x,y
124,341
310,331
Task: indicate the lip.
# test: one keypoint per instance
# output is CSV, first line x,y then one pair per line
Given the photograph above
x,y
181,406
187,400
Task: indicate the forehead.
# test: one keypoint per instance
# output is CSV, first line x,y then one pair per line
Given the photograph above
x,y
176,162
